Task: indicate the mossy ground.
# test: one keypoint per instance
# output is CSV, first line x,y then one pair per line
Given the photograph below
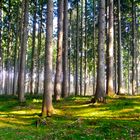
x,y
74,119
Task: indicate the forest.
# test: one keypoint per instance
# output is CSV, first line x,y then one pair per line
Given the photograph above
x,y
69,69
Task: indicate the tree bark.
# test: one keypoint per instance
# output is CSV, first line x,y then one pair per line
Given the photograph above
x,y
133,51
137,52
128,70
70,43
39,47
33,49
77,52
100,90
81,50
24,37
110,53
47,107
58,75
1,59
85,51
94,50
120,61
8,61
16,50
65,51
115,51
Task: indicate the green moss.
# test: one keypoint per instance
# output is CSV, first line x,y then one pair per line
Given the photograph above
x,y
75,118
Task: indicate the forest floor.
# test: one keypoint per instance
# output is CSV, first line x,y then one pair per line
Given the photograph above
x,y
74,119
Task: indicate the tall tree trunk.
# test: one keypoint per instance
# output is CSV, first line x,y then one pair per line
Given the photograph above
x,y
39,47
16,55
133,51
128,70
77,52
33,49
107,37
85,58
65,51
47,107
120,61
81,51
100,89
137,12
94,50
1,63
58,75
73,55
115,51
70,41
24,37
110,53
7,78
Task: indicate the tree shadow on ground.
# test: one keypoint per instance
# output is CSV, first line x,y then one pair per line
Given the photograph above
x,y
73,119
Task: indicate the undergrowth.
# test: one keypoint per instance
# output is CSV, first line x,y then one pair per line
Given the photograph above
x,y
74,119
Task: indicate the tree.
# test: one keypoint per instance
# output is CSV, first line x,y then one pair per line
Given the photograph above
x,y
137,47
24,37
110,52
58,75
77,51
33,47
8,61
120,65
94,60
47,107
39,45
85,52
133,50
16,51
1,45
65,51
100,88
81,49
69,52
115,48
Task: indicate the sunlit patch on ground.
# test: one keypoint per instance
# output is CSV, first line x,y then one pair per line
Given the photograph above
x,y
25,112
74,118
37,100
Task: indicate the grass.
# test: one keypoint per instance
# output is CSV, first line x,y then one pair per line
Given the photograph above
x,y
74,119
